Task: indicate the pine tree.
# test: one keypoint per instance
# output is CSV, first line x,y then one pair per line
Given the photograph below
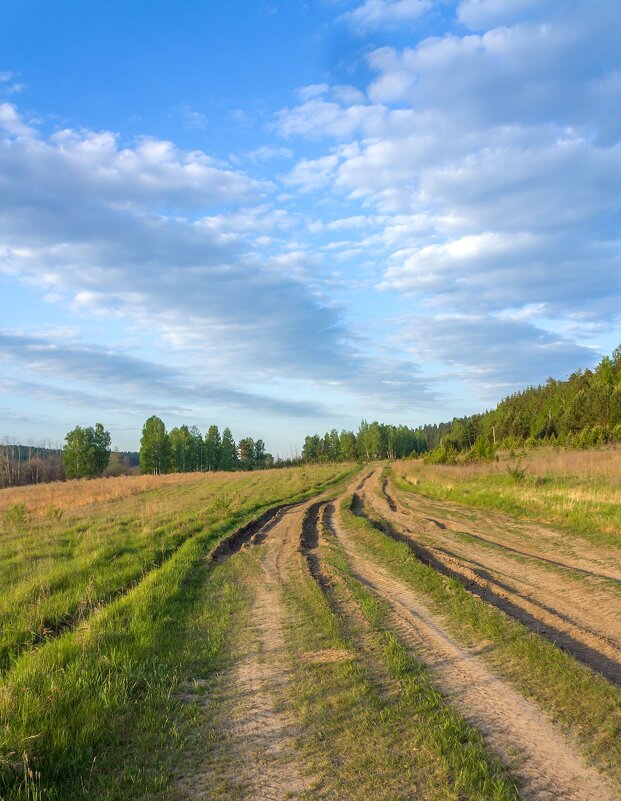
x,y
213,448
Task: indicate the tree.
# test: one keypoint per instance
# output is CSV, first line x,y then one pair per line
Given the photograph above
x,y
310,450
228,451
198,450
245,448
181,449
261,458
213,448
347,446
86,452
154,447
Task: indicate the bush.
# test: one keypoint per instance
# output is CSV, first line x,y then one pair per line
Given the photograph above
x,y
517,473
441,455
54,513
16,515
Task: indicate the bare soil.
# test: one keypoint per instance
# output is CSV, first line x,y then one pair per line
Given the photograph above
x,y
256,759
570,605
545,764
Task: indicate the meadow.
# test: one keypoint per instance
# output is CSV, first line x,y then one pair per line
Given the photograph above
x,y
94,597
335,631
579,490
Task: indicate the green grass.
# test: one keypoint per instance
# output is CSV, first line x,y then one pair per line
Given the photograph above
x,y
54,573
102,695
582,505
357,730
578,699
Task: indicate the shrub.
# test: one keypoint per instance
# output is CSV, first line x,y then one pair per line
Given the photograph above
x,y
54,512
16,515
517,473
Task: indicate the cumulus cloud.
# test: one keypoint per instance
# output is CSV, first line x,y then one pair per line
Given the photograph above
x,y
491,153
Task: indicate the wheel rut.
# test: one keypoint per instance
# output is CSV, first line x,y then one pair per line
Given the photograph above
x,y
574,615
545,765
257,760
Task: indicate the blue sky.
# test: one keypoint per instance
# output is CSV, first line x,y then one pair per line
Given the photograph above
x,y
285,217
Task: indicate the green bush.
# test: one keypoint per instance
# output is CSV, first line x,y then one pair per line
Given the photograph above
x,y
17,515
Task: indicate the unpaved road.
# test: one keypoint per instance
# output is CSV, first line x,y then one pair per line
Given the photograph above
x,y
557,595
258,757
547,767
256,760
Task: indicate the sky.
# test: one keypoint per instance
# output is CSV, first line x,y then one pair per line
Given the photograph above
x,y
285,217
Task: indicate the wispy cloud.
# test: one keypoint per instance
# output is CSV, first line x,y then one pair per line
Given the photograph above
x,y
373,14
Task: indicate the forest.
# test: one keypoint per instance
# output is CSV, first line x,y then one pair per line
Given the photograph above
x,y
580,412
185,450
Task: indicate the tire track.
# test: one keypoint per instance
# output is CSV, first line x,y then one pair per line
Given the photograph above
x,y
258,760
587,646
544,763
571,616
592,561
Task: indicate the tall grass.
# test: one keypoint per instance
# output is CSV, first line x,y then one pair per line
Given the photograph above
x,y
54,572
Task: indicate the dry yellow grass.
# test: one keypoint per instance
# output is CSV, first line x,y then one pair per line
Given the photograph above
x,y
581,489
603,465
80,493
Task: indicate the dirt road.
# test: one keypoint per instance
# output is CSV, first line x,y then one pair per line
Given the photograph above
x,y
569,598
257,751
546,766
256,757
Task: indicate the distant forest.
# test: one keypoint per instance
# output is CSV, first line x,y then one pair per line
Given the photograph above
x,y
583,411
37,464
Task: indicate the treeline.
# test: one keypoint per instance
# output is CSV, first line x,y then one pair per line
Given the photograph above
x,y
582,411
38,464
184,450
29,464
371,441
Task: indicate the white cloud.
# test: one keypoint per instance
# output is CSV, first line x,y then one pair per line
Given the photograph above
x,y
493,160
172,242
12,123
495,356
373,14
193,119
267,153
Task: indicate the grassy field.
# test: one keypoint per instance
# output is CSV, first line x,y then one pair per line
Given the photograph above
x,y
577,490
328,659
95,608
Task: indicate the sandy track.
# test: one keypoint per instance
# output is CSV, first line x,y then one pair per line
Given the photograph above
x,y
578,612
257,760
546,766
522,537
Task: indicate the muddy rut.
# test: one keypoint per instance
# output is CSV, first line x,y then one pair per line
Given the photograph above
x,y
545,765
571,607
